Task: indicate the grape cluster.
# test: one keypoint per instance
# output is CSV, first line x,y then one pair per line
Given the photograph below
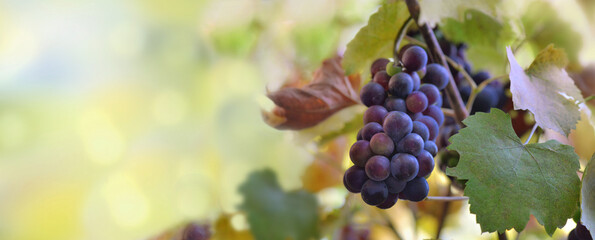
x,y
395,149
580,233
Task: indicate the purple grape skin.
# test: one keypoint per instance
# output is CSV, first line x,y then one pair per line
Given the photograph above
x,y
375,114
416,190
431,147
372,94
397,124
431,92
420,129
416,80
436,113
359,135
400,85
390,201
436,74
416,102
378,65
404,166
354,179
374,193
360,152
382,78
414,58
382,144
370,129
378,168
394,185
412,144
395,104
426,163
431,124
414,116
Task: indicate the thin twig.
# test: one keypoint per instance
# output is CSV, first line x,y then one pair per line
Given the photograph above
x,y
402,32
462,70
589,98
443,198
531,135
448,112
480,88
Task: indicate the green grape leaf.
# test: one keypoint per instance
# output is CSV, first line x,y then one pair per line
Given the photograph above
x,y
509,181
486,37
434,11
375,40
588,196
546,90
275,214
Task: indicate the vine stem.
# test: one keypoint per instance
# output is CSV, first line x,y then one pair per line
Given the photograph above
x,y
402,32
448,112
479,88
589,98
436,55
531,135
446,198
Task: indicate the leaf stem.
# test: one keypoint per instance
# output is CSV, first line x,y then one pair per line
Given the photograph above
x,y
531,135
448,112
446,198
402,32
462,70
589,98
479,88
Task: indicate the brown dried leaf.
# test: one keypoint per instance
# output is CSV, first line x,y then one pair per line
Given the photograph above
x,y
329,92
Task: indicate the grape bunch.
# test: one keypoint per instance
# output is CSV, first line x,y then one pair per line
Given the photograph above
x,y
580,233
395,149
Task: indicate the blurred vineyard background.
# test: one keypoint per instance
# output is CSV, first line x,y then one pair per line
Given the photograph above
x,y
121,119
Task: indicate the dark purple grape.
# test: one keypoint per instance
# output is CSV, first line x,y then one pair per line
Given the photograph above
x,y
378,65
431,92
416,80
412,144
394,185
404,166
359,135
360,152
414,58
397,125
582,232
404,48
400,85
431,124
485,100
370,129
431,147
382,78
375,114
378,168
465,91
416,190
416,102
420,129
439,102
426,163
414,116
382,144
481,76
436,113
572,235
354,179
447,48
436,74
390,201
374,193
395,104
372,94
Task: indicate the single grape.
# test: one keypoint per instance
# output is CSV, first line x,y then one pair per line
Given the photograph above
x,y
359,135
360,152
382,78
481,76
431,92
582,232
378,65
416,190
374,193
404,166
447,48
394,185
372,94
391,69
416,102
370,129
439,102
390,201
375,114
416,80
412,144
431,124
485,100
404,48
378,168
400,85
572,235
431,147
420,129
397,125
436,74
395,104
382,144
414,58
436,113
354,179
426,163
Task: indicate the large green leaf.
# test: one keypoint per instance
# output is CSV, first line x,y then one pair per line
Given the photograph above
x,y
588,196
275,214
375,39
509,181
546,90
434,11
